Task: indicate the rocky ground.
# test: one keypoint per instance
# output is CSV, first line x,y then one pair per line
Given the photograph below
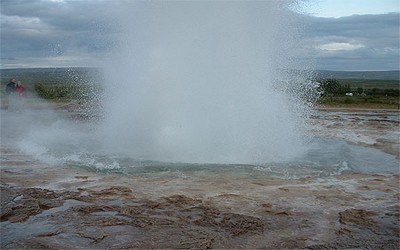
x,y
58,207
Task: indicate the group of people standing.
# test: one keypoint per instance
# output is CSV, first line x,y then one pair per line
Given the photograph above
x,y
15,93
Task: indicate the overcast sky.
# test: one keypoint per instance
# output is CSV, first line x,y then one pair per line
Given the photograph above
x,y
338,34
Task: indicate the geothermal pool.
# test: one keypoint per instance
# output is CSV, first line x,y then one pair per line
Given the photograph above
x,y
337,142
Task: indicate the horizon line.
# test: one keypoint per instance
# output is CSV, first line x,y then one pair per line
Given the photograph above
x,y
93,67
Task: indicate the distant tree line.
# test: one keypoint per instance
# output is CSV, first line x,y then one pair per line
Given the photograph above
x,y
332,87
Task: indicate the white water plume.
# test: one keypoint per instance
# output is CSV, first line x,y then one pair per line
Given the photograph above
x,y
204,82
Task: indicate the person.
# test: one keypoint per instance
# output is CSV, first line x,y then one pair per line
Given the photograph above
x,y
19,89
10,91
19,97
10,88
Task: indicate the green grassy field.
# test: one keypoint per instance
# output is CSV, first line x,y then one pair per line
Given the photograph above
x,y
370,83
67,84
55,84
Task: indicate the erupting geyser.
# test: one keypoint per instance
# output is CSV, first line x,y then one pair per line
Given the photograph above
x,y
205,82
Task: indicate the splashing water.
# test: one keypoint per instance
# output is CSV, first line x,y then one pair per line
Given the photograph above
x,y
198,88
205,82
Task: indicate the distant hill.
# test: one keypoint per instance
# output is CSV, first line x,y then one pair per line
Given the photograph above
x,y
48,75
49,71
29,73
393,75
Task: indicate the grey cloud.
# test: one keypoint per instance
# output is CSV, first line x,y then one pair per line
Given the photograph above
x,y
375,39
70,15
45,29
372,29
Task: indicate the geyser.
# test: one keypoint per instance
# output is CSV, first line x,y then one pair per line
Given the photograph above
x,y
205,82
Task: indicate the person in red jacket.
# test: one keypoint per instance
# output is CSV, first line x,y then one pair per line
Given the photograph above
x,y
19,97
19,89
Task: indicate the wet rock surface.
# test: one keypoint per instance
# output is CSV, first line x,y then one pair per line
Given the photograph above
x,y
59,207
367,127
115,218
